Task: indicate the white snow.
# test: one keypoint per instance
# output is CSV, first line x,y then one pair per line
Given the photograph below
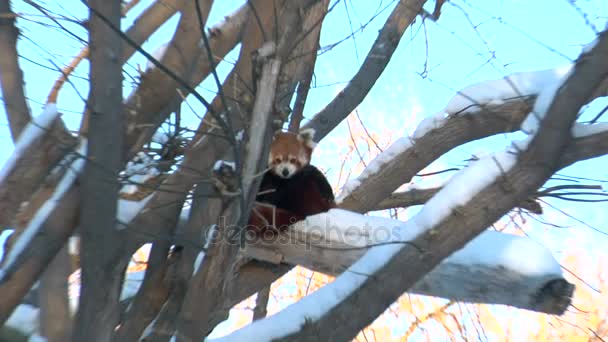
x,y
198,262
582,130
34,130
511,252
219,164
47,208
24,319
239,135
201,255
398,147
138,171
127,210
543,101
463,186
158,54
430,123
514,85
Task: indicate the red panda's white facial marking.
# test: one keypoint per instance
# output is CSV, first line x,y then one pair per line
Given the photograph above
x,y
290,152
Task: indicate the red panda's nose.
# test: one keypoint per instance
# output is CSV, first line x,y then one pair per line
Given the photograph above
x,y
285,172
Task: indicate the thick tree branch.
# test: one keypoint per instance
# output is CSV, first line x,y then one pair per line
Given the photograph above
x,y
330,244
55,317
11,76
374,64
457,130
101,276
413,197
156,97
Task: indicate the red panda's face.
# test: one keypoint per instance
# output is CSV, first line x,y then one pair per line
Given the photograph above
x,y
290,152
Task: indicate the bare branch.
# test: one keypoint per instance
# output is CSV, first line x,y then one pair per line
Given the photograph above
x,y
11,76
55,317
380,54
101,275
148,22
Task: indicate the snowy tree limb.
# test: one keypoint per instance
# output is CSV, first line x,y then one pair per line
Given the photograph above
x,y
457,130
374,64
534,166
43,248
326,245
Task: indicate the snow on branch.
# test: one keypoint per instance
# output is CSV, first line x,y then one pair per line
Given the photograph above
x,y
35,224
494,268
476,112
460,190
32,132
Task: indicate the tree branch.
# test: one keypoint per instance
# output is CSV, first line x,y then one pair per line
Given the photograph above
x,y
374,64
329,243
11,76
101,276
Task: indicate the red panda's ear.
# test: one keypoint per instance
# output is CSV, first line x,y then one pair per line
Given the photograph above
x,y
306,136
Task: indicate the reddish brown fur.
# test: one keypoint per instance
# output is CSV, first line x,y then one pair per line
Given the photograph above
x,y
286,147
283,201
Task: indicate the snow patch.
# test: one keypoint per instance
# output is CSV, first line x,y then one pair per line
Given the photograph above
x,y
34,130
514,85
582,130
430,123
220,164
127,210
463,186
138,171
532,122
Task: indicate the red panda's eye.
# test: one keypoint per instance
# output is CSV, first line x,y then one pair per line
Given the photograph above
x,y
293,160
277,160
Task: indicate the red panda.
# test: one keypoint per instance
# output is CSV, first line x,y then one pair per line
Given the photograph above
x,y
292,188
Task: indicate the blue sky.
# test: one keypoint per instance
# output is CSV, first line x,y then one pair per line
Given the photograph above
x,y
473,41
